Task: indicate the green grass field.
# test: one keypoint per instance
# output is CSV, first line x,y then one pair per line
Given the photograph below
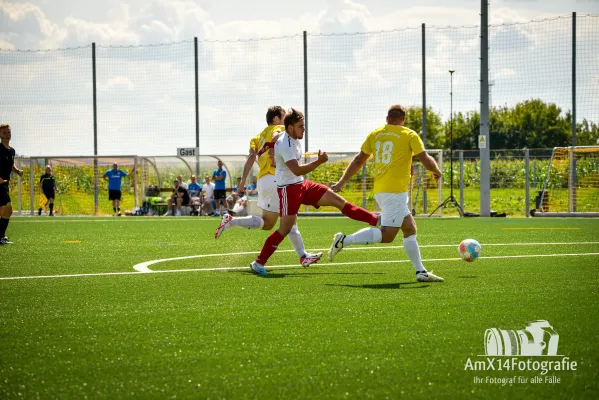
x,y
361,327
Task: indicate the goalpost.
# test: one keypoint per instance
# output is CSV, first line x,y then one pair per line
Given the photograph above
x,y
571,186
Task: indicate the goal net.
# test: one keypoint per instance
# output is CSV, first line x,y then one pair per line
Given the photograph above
x,y
425,192
571,185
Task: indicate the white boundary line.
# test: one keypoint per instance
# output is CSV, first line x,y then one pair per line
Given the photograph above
x,y
287,266
144,266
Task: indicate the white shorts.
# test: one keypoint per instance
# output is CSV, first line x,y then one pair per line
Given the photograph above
x,y
268,197
394,208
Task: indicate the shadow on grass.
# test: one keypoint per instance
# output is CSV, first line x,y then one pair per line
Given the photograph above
x,y
467,277
400,285
307,274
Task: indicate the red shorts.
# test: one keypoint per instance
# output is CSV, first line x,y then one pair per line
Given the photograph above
x,y
291,197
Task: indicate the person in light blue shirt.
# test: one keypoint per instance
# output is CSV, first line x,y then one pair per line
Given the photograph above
x,y
252,190
114,177
194,192
219,177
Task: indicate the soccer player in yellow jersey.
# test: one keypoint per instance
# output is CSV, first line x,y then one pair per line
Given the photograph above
x,y
268,198
392,146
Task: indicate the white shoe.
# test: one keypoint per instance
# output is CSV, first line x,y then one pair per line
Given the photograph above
x,y
337,245
309,259
225,223
169,212
424,276
258,268
178,214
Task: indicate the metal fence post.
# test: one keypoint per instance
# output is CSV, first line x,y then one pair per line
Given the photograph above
x,y
19,194
461,179
95,110
197,105
527,183
306,89
485,160
31,188
135,182
572,203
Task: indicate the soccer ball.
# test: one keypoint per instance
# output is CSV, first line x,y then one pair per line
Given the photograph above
x,y
469,250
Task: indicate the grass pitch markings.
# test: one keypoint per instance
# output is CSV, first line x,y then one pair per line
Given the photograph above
x,y
224,269
144,266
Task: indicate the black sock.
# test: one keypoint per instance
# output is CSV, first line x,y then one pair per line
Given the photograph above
x,y
114,208
119,208
3,226
51,207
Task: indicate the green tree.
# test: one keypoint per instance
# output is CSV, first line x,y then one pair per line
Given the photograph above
x,y
434,126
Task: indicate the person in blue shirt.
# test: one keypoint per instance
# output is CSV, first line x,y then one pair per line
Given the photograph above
x,y
219,177
252,191
114,178
194,193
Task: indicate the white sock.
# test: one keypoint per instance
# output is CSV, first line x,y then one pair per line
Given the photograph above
x,y
364,236
250,222
296,240
410,245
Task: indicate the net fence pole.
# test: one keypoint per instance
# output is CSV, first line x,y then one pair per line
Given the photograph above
x,y
19,194
572,197
306,88
461,179
197,105
31,188
96,182
485,163
135,182
424,193
527,183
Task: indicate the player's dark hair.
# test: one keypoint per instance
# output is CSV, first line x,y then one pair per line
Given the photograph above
x,y
272,112
4,126
293,116
396,113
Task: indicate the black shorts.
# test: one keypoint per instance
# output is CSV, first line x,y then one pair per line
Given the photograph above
x,y
50,194
114,194
4,195
220,194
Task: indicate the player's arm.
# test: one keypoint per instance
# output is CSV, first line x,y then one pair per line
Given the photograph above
x,y
105,177
17,171
430,164
354,166
249,163
299,170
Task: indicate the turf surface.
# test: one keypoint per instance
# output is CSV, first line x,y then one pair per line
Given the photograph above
x,y
358,328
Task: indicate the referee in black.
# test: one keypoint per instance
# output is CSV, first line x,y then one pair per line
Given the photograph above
x,y
48,187
7,165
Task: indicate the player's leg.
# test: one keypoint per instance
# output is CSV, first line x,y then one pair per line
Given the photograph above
x,y
290,198
51,204
179,203
169,206
410,246
5,213
118,203
330,198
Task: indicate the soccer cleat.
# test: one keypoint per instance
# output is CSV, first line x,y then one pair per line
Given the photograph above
x,y
5,240
169,212
225,224
258,269
178,214
336,246
309,259
424,276
39,212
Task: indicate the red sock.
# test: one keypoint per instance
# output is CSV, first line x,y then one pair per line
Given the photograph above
x,y
359,214
270,246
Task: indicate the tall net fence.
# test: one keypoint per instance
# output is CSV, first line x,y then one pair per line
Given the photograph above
x,y
47,99
146,97
352,81
238,81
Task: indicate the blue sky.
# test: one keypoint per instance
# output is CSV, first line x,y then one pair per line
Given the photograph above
x,y
145,95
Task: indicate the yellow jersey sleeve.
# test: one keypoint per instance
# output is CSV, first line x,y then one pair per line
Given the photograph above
x,y
254,143
416,144
367,146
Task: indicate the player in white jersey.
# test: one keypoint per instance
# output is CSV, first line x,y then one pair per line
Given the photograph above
x,y
268,198
295,191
